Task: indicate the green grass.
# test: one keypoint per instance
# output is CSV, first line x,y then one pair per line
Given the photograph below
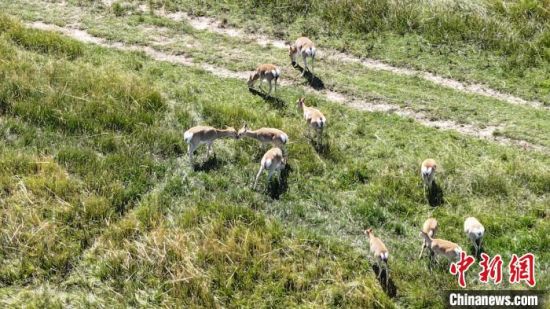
x,y
504,44
88,145
104,210
104,154
499,43
515,122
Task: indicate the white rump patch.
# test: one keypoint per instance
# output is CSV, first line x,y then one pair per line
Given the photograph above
x,y
426,170
187,136
284,138
479,232
311,51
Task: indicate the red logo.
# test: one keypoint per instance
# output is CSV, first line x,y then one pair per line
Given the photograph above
x,y
492,269
461,267
522,269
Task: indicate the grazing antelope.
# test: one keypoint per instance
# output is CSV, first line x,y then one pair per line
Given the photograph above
x,y
272,161
198,135
427,171
429,227
446,248
314,118
475,230
268,72
380,252
305,48
275,137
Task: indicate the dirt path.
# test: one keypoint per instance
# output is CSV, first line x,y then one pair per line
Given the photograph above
x,y
85,37
482,133
213,25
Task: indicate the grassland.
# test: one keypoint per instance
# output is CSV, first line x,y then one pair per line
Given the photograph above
x,y
100,208
90,177
501,43
519,123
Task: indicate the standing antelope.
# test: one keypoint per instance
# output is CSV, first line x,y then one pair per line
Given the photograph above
x,y
268,72
198,135
304,47
275,137
314,118
380,252
272,161
446,248
427,172
475,231
429,227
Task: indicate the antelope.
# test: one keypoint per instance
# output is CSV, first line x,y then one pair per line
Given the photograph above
x,y
429,227
314,118
268,72
380,252
272,136
272,161
304,47
474,230
427,172
198,135
446,248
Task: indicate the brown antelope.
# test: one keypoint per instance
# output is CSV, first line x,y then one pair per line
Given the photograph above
x,y
272,161
475,231
314,118
379,251
269,72
305,48
427,172
446,248
272,136
429,227
198,135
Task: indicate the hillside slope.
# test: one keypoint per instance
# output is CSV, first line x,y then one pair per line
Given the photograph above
x,y
505,44
97,209
92,155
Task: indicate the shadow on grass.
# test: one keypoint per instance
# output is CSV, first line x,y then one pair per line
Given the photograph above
x,y
479,252
435,195
274,101
320,144
278,187
432,262
312,80
212,163
387,285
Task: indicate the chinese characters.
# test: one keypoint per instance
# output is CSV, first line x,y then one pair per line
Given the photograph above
x,y
521,269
